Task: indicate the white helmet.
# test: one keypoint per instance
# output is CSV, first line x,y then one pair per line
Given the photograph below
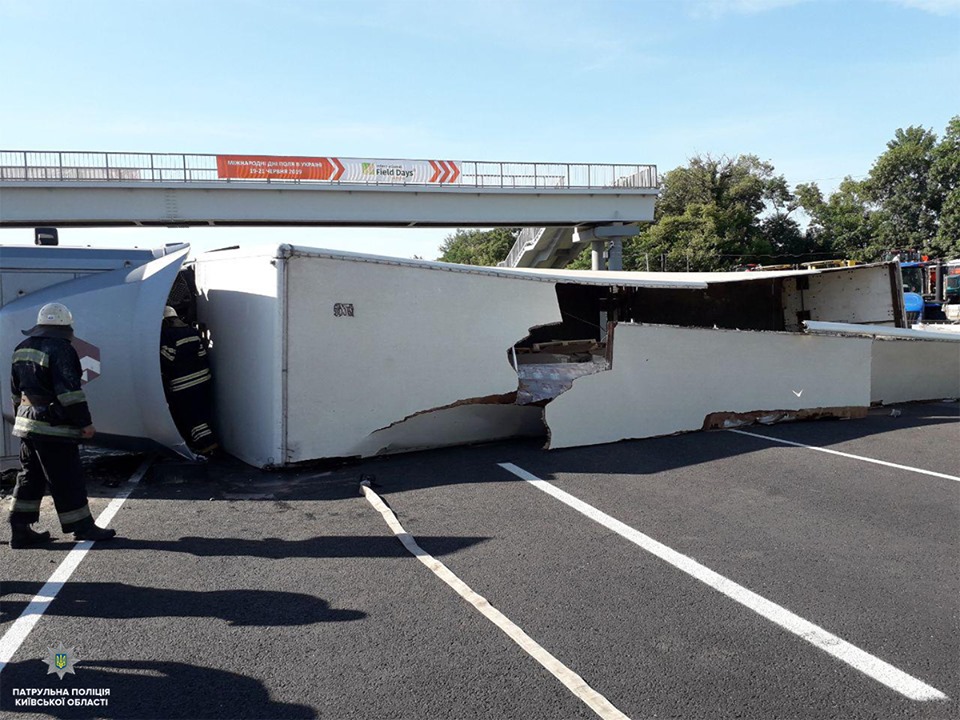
x,y
55,314
169,312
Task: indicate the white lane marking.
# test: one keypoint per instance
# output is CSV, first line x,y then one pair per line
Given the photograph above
x,y
863,661
15,635
576,684
849,455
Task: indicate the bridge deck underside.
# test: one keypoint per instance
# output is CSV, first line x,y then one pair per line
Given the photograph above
x,y
27,204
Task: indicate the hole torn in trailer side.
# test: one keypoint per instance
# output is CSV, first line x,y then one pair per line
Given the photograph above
x,y
553,356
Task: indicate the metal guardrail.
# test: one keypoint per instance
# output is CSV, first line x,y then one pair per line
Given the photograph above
x,y
45,166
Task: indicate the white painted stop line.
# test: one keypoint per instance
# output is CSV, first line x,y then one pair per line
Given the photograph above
x,y
866,663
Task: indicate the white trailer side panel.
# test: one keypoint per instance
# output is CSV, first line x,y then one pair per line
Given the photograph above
x,y
117,316
320,354
907,364
666,380
908,370
371,344
861,294
460,425
241,304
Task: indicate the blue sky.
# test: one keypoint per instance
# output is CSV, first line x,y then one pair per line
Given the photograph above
x,y
817,87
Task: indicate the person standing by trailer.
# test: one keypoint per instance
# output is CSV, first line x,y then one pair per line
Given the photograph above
x,y
52,418
186,381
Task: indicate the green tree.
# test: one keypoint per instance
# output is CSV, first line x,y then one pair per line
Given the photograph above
x,y
845,224
478,247
782,232
947,242
715,213
900,184
584,261
945,174
910,200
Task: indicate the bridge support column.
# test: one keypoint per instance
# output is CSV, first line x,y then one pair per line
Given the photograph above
x,y
599,236
615,258
596,255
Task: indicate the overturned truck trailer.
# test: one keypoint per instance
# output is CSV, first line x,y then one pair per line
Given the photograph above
x,y
320,354
117,299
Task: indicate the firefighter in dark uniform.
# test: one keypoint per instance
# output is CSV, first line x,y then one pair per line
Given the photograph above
x,y
186,381
51,418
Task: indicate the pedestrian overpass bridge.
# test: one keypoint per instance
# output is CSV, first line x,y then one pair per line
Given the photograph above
x,y
557,204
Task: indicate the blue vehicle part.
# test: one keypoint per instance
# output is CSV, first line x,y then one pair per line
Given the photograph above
x,y
913,305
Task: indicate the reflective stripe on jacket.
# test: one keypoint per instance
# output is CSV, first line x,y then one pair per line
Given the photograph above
x,y
45,385
183,358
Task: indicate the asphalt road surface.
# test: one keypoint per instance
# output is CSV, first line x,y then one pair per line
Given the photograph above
x,y
708,575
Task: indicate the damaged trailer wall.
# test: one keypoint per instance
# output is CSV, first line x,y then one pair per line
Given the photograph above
x,y
753,304
325,355
778,300
910,370
666,380
321,354
406,340
864,294
907,364
583,308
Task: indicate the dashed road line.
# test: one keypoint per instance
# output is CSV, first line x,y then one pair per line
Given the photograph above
x,y
849,455
861,660
15,635
576,684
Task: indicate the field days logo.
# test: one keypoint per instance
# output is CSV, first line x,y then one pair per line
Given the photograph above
x,y
394,171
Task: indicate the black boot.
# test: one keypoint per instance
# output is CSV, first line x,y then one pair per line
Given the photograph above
x,y
91,531
23,536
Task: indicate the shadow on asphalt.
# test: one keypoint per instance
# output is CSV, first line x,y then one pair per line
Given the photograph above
x,y
226,479
142,689
246,608
329,546
638,457
321,546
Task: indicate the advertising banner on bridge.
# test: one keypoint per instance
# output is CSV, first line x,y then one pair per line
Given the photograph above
x,y
280,168
352,170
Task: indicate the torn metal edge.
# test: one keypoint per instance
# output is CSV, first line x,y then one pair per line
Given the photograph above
x,y
727,420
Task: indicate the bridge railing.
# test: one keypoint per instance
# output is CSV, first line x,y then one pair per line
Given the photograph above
x,y
526,239
18,165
